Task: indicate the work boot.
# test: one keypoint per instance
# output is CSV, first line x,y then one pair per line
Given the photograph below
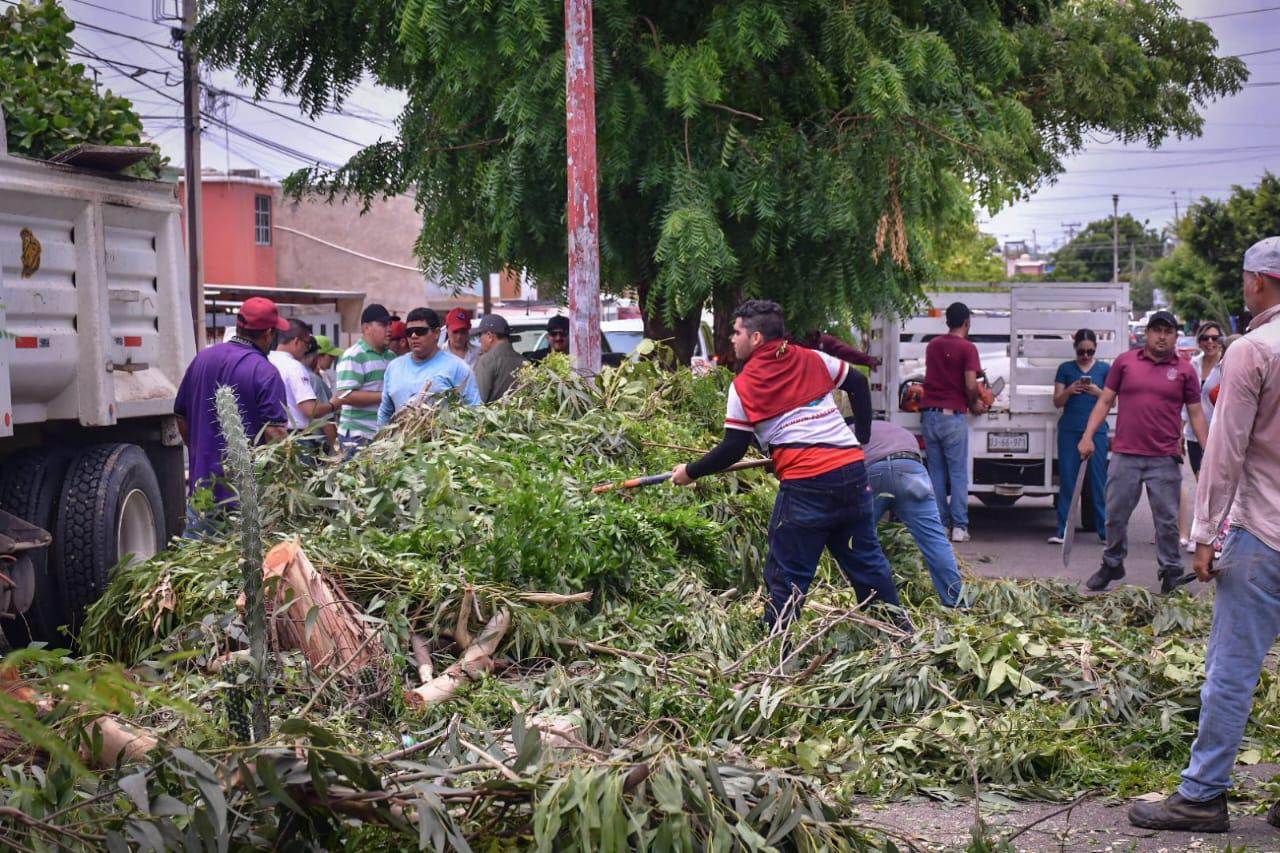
x,y
1104,576
1169,581
1273,814
1182,814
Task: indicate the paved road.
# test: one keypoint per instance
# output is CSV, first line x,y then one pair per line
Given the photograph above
x,y
1010,542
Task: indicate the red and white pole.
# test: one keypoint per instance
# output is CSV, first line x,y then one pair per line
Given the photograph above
x,y
584,222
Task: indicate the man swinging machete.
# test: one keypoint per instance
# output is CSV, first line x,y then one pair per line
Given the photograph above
x,y
783,397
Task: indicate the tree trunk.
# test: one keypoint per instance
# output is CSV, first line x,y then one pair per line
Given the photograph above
x,y
681,336
723,304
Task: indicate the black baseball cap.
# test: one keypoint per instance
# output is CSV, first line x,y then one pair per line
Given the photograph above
x,y
558,323
375,313
497,324
1163,318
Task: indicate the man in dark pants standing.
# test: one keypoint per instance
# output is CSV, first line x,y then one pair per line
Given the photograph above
x,y
1152,385
783,397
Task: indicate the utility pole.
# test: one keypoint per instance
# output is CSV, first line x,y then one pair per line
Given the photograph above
x,y
584,222
1115,239
1174,193
191,153
1035,247
1070,229
1133,263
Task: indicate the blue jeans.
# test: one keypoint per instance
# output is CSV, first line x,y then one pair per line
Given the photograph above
x,y
1246,621
1069,469
832,511
903,485
946,446
352,444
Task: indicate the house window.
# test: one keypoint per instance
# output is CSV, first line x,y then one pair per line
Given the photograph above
x,y
262,220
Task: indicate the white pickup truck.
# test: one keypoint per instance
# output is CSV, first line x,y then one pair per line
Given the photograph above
x,y
95,332
1022,332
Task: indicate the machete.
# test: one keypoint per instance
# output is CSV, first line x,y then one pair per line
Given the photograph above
x,y
655,479
1073,517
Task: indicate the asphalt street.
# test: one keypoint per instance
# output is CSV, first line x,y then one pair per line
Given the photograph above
x,y
1011,542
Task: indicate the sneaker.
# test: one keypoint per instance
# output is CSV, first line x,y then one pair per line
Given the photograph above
x,y
1104,576
1055,540
1182,814
960,534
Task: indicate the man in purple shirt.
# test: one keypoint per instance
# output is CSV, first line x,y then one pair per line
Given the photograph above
x,y
1152,384
242,364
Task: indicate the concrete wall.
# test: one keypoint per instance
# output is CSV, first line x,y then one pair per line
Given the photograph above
x,y
319,246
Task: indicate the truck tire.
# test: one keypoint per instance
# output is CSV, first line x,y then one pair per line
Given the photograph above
x,y
31,488
110,508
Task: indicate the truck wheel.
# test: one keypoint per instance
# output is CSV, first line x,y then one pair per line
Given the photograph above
x,y
111,509
30,488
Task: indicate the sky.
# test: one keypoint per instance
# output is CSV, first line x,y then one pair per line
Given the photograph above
x,y
133,56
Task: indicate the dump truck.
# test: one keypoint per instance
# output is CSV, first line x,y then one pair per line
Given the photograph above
x,y
95,333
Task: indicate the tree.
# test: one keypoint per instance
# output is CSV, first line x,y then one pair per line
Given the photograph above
x,y
967,254
1089,255
49,104
800,150
1205,271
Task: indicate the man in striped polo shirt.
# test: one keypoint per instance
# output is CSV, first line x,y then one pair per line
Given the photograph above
x,y
783,397
359,386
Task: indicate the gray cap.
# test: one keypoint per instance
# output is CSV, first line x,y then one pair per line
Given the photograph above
x,y
497,324
1264,256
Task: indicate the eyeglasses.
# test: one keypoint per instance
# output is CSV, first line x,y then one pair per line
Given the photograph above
x,y
1212,339
1084,351
418,331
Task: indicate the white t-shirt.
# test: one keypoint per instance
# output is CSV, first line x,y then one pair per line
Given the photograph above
x,y
297,387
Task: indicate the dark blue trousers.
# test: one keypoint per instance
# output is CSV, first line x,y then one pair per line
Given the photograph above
x,y
832,511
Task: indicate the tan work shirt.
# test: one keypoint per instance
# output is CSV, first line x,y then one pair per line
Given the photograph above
x,y
1241,469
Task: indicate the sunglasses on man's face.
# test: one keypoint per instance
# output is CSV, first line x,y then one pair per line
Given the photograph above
x,y
1212,339
1084,351
418,331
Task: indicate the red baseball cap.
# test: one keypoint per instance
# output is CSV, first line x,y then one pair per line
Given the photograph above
x,y
458,318
258,314
398,329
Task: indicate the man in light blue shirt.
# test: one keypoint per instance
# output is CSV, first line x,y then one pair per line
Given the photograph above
x,y
426,371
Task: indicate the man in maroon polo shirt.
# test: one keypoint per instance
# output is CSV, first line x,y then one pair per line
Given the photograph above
x,y
1152,384
951,368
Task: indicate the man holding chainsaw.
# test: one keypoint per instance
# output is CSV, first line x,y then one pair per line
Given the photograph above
x,y
783,397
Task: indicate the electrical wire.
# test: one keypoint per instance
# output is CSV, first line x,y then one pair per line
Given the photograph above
x,y
1237,14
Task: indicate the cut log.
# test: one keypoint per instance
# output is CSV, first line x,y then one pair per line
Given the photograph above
x,y
476,660
337,639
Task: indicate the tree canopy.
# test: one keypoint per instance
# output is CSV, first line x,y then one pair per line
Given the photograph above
x,y
798,150
967,254
1203,275
49,104
1088,256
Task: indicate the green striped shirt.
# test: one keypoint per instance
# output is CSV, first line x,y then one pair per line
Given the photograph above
x,y
360,369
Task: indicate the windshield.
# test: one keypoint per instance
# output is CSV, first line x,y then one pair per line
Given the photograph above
x,y
623,341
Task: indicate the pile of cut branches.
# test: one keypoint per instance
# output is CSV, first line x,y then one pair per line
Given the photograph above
x,y
472,650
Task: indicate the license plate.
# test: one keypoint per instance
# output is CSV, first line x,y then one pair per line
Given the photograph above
x,y
1008,442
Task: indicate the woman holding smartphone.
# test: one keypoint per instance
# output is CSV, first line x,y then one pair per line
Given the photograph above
x,y
1075,389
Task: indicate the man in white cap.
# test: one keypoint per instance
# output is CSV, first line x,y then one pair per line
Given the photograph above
x,y
1240,473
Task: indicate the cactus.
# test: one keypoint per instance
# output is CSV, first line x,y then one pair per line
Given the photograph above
x,y
238,463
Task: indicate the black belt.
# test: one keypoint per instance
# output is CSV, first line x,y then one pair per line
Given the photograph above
x,y
905,454
944,411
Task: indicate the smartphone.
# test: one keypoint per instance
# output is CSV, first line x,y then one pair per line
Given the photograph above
x,y
1086,380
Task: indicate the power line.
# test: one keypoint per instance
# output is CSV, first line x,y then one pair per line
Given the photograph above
x,y
1238,14
116,11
